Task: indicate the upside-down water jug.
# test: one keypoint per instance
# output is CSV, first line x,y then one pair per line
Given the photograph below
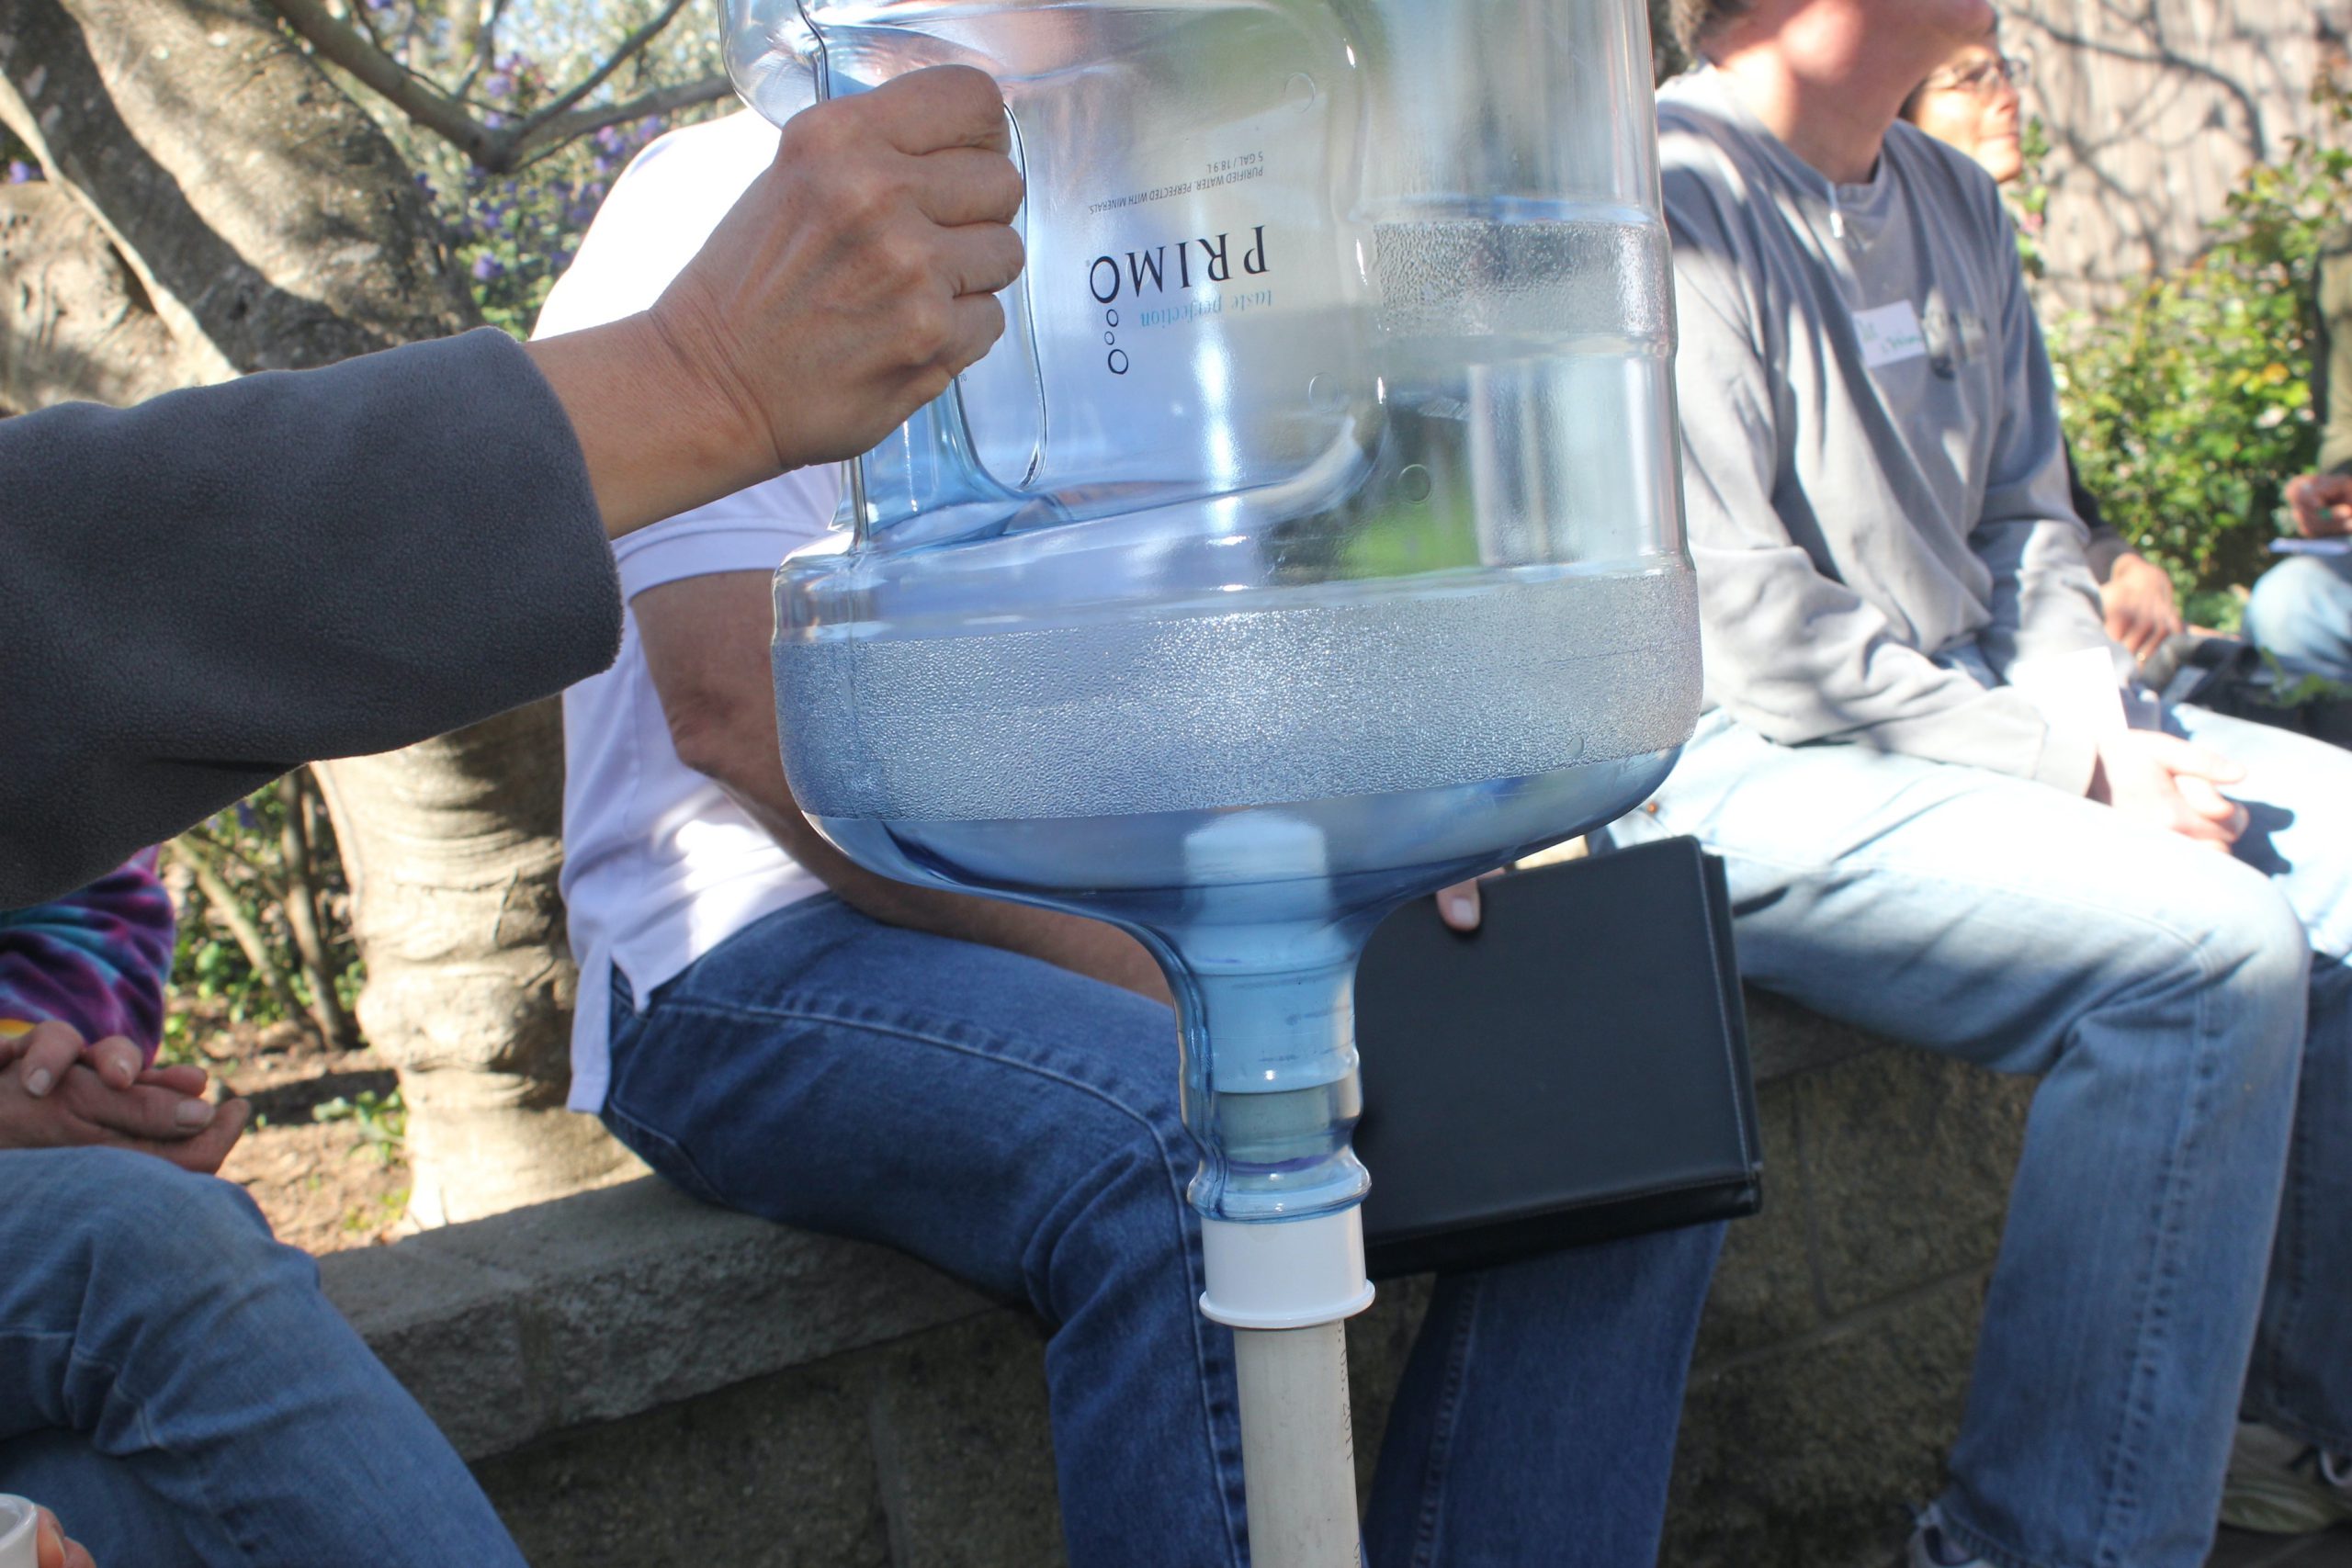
x,y
1310,540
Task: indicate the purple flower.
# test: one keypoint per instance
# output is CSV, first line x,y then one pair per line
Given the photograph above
x,y
487,266
21,172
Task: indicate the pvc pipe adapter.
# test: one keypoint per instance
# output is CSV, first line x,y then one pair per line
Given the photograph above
x,y
1285,1273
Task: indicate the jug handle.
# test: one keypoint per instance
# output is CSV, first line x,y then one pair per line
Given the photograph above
x,y
776,59
778,66
944,466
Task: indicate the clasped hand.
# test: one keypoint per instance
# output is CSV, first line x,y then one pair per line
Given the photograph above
x,y
2171,784
59,1091
2322,504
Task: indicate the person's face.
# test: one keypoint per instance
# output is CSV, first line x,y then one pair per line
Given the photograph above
x,y
1887,40
1970,101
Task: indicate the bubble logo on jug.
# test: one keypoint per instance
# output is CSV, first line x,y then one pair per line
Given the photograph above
x,y
1146,274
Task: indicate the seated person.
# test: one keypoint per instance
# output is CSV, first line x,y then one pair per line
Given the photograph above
x,y
171,1379
1969,101
1888,564
2301,608
172,1385
98,959
993,1088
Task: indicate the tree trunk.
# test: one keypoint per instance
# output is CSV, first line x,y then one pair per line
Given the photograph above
x,y
217,205
452,849
74,323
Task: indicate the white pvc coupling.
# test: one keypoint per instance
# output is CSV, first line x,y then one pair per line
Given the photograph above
x,y
1285,1273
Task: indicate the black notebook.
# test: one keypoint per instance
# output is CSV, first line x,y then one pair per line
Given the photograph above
x,y
1575,1070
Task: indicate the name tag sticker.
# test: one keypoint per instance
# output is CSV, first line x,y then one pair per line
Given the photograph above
x,y
1890,335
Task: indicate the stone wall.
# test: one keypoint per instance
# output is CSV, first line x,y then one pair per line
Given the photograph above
x,y
643,1381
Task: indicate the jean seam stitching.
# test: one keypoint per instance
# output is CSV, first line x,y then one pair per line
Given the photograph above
x,y
148,1439
615,1111
1442,1420
816,1013
2269,1391
2274,1379
2149,1329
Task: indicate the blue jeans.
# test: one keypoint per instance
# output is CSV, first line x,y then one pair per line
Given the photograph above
x,y
2301,610
2190,1018
1016,1125
174,1385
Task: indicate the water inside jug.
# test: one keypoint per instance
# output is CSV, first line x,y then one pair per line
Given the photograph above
x,y
1312,538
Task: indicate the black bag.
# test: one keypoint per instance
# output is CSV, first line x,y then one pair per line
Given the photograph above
x,y
2226,675
1575,1070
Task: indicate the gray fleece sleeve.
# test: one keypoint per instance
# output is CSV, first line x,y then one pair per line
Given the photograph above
x,y
206,590
1788,648
2045,601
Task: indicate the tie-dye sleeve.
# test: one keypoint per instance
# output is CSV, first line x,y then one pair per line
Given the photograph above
x,y
97,959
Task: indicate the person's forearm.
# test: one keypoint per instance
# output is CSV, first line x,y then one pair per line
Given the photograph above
x,y
656,439
1086,947
327,563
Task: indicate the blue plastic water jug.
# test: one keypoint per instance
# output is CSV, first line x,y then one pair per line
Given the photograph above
x,y
1312,538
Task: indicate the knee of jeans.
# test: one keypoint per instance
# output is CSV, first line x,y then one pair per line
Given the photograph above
x,y
2299,604
152,1220
2254,957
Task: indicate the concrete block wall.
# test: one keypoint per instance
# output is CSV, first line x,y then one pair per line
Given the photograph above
x,y
641,1381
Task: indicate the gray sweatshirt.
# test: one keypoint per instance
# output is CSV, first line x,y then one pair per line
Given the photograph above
x,y
1872,462
199,592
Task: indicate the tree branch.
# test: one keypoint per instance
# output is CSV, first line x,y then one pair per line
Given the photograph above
x,y
545,138
485,48
595,79
425,105
220,902
508,148
302,906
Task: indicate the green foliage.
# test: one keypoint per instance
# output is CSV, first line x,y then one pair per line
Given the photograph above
x,y
2294,690
381,1121
2189,405
2028,196
235,879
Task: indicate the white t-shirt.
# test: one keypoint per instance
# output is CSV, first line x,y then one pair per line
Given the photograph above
x,y
659,865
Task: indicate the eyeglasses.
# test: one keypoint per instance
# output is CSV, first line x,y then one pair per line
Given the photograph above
x,y
1982,79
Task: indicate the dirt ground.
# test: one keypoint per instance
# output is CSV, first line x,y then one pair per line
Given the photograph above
x,y
325,1185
